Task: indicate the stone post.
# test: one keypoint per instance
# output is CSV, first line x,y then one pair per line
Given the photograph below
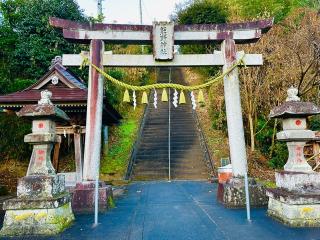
x,y
295,201
232,193
83,193
237,143
92,148
42,206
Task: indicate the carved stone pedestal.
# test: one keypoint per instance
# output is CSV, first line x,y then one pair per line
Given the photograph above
x,y
296,201
42,206
232,193
83,197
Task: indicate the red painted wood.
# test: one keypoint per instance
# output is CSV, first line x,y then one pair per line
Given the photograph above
x,y
265,24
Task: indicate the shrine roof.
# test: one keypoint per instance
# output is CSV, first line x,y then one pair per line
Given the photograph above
x,y
292,109
68,91
64,85
33,95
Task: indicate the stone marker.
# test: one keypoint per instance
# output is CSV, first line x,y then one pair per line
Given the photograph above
x,y
42,206
296,200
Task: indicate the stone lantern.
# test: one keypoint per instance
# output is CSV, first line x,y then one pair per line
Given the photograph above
x,y
42,206
296,200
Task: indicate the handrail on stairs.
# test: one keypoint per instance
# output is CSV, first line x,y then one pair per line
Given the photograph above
x,y
203,143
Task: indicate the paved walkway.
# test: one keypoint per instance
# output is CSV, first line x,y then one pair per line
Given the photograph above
x,y
180,211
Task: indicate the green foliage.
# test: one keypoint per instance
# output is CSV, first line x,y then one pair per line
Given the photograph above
x,y
279,9
314,123
29,43
14,85
264,135
280,155
12,131
202,11
119,153
219,120
114,93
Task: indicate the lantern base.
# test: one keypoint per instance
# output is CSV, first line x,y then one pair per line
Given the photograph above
x,y
44,221
293,208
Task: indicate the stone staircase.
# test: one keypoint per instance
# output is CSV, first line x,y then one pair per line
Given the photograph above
x,y
151,161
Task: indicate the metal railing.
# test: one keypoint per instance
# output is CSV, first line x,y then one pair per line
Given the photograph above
x,y
203,143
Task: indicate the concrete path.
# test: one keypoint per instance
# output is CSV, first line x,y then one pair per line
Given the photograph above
x,y
179,211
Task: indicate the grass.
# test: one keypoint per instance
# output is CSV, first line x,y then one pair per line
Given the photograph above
x,y
114,163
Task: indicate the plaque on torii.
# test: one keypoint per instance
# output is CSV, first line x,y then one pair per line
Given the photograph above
x,y
163,36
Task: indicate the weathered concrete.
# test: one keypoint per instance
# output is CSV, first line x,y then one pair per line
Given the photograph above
x,y
40,186
296,200
295,215
46,221
83,197
232,193
233,109
299,181
42,206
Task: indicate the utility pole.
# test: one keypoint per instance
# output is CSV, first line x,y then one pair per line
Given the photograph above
x,y
140,12
99,7
96,189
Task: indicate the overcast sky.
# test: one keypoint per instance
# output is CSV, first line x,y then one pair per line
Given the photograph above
x,y
127,11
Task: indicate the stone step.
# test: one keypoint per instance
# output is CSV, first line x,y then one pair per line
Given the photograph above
x,y
187,158
199,166
163,144
174,176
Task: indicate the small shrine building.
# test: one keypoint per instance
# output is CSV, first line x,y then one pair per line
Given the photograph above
x,y
69,93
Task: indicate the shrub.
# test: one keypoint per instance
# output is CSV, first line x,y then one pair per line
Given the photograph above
x,y
12,131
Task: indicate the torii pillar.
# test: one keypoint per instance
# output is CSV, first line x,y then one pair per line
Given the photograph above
x,y
92,149
237,143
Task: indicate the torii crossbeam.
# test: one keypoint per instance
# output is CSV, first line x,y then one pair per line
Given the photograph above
x,y
163,36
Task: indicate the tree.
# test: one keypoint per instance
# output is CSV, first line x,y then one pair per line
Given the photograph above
x,y
28,43
199,12
291,58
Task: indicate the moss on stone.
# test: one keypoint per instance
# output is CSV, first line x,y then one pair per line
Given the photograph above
x,y
23,216
111,203
35,222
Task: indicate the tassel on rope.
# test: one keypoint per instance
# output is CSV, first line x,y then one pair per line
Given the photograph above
x,y
164,97
193,101
175,98
200,97
126,97
134,99
155,98
182,98
144,99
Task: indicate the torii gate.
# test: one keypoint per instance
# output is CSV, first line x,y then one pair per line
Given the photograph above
x,y
164,36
